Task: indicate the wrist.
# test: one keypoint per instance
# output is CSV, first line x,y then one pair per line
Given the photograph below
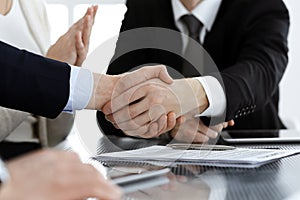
x,y
102,90
191,96
200,94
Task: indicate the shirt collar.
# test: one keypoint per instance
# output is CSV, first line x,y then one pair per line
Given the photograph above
x,y
205,12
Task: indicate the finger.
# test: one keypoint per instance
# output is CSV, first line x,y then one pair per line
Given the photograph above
x,y
207,131
123,100
109,118
141,132
231,123
147,117
116,126
225,125
95,10
86,31
89,11
81,53
175,130
170,124
153,130
79,24
190,136
141,75
199,137
171,121
135,123
217,128
162,124
181,120
129,112
137,108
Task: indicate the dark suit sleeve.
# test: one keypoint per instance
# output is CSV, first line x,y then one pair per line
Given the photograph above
x,y
32,83
254,79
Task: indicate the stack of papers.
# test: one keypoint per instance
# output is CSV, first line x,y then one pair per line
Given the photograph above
x,y
239,157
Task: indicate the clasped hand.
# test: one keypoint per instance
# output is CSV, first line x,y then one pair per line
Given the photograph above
x,y
145,104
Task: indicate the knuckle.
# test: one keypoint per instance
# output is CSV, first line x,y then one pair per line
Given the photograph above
x,y
133,113
126,97
127,126
122,83
129,133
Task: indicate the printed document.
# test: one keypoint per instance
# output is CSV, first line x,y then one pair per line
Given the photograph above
x,y
239,157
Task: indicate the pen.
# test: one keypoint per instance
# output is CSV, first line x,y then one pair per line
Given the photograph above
x,y
206,147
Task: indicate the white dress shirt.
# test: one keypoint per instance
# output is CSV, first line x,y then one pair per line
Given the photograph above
x,y
81,89
206,13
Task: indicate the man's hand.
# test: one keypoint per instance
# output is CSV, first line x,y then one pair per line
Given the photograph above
x,y
52,175
137,109
106,86
192,130
73,46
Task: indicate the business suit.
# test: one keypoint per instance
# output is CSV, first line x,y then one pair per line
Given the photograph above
x,y
248,43
32,83
32,17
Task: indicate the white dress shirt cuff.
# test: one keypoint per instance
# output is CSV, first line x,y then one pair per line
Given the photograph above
x,y
81,88
4,173
215,95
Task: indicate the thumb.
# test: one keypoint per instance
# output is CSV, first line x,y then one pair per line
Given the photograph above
x,y
160,72
142,75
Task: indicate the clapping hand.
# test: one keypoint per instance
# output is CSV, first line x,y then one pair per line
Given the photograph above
x,y
73,46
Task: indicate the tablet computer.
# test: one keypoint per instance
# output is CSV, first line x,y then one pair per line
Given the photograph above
x,y
260,136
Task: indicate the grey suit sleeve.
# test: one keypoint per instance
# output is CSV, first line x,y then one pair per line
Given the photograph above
x,y
58,129
10,120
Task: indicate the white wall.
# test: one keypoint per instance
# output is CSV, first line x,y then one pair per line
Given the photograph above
x,y
290,85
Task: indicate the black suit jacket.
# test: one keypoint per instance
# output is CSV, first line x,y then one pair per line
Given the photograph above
x,y
248,43
32,83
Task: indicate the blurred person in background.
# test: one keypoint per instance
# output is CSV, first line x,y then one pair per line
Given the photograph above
x,y
24,24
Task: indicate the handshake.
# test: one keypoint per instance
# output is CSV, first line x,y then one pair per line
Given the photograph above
x,y
147,103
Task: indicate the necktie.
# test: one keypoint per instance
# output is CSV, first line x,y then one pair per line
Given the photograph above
x,y
194,27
